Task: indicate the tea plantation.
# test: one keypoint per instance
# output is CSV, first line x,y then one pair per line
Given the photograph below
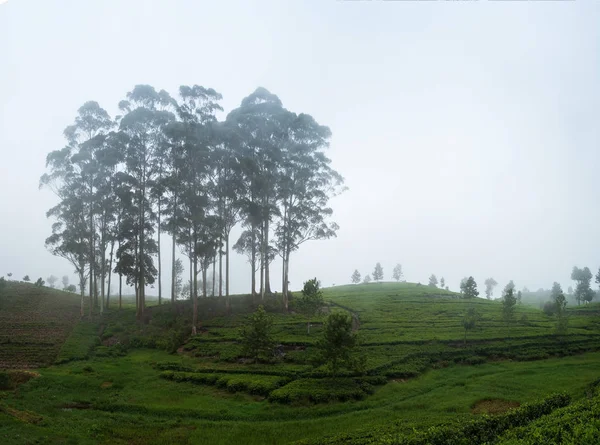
x,y
113,380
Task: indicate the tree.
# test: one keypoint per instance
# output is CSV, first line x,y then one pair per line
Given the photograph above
x,y
39,282
26,278
560,305
256,335
469,288
397,273
519,297
470,320
71,288
9,275
339,344
433,281
490,284
583,291
52,280
65,281
178,278
311,301
378,272
508,304
442,283
355,277
367,279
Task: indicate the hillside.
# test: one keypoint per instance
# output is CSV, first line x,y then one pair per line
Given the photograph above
x,y
151,383
34,323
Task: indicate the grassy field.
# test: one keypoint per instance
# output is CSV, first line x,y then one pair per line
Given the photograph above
x,y
119,382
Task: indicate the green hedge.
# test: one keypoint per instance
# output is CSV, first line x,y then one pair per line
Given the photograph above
x,y
322,390
252,384
482,430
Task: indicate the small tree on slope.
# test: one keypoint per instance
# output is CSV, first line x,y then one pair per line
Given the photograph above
x,y
339,345
355,277
256,334
397,273
468,288
509,302
311,301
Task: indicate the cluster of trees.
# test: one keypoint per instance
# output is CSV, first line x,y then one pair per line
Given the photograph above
x,y
509,301
168,165
433,282
337,346
377,274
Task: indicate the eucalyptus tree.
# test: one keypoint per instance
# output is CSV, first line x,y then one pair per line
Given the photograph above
x,y
143,144
77,169
70,238
306,183
259,127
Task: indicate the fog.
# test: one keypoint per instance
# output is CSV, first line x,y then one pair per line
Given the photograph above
x,y
467,133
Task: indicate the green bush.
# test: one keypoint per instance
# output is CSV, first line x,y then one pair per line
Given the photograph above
x,y
322,390
253,384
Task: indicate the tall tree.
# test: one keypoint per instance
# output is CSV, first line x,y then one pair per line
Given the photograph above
x,y
509,302
560,303
583,291
378,272
355,277
469,288
52,280
397,273
442,283
490,284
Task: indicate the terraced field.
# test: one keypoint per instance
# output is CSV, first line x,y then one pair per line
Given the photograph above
x,y
151,383
34,323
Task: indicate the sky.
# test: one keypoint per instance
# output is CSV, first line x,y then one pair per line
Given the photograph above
x,y
467,132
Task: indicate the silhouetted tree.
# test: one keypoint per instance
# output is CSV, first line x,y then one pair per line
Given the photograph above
x,y
397,273
442,283
490,284
52,280
355,277
583,277
469,288
378,272
433,281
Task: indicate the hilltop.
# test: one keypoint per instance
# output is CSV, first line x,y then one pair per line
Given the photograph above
x,y
121,381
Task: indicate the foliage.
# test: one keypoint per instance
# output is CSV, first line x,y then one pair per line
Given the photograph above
x,y
490,284
470,320
39,282
26,278
433,281
338,345
367,279
583,277
52,280
442,283
322,390
509,302
311,301
397,273
355,277
468,288
378,272
257,335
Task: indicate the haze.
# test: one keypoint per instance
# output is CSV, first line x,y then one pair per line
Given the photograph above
x,y
467,132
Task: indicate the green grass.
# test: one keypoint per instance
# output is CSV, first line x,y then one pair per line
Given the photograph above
x,y
122,382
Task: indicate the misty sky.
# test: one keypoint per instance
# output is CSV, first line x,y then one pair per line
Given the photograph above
x,y
468,133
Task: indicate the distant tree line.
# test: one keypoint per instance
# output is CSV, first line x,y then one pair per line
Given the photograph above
x,y
167,165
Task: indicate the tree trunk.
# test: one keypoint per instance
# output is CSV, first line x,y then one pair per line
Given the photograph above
x,y
267,277
173,272
214,275
204,276
120,289
286,279
195,314
220,266
159,262
112,249
227,302
81,290
262,262
253,262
